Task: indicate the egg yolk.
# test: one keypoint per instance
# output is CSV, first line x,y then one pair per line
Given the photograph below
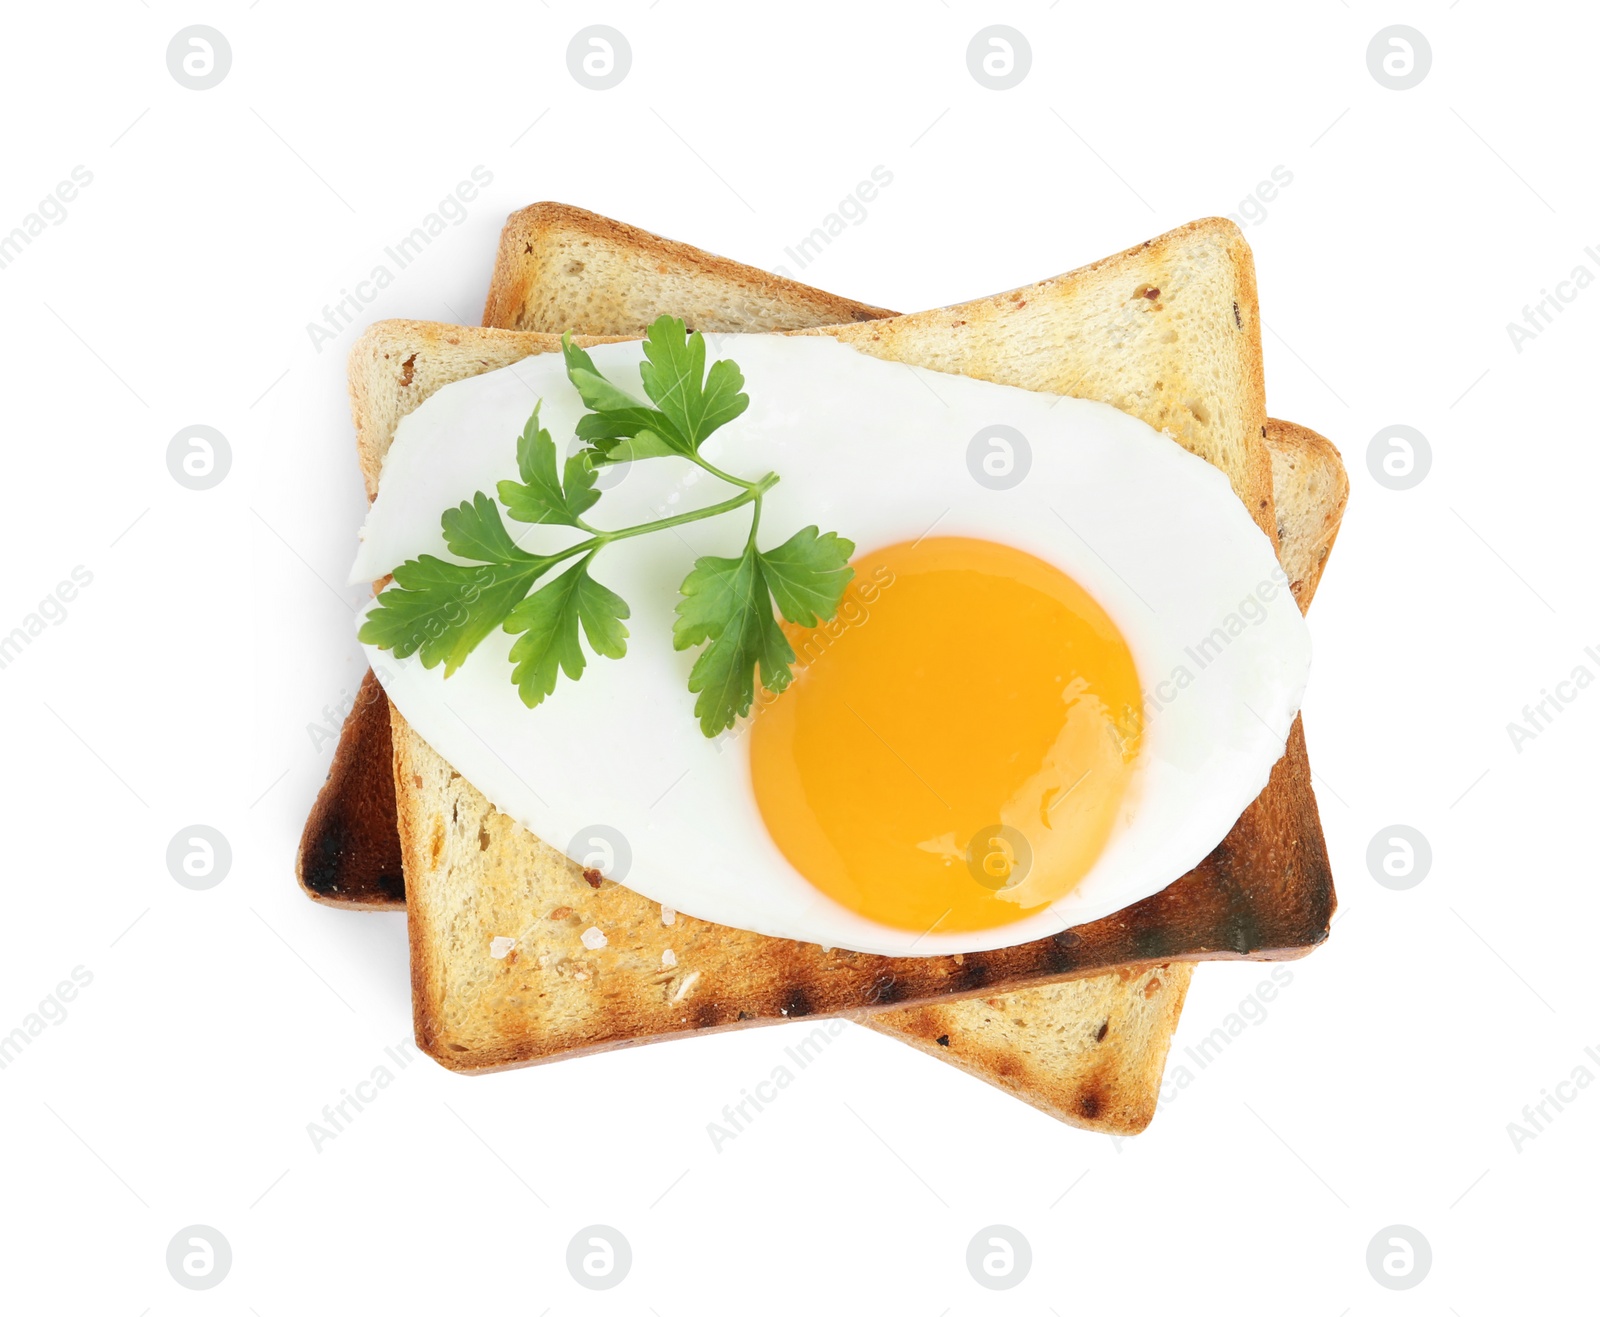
x,y
957,743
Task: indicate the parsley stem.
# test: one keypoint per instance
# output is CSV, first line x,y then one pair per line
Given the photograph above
x,y
757,486
751,494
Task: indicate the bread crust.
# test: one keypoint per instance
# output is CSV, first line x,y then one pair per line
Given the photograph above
x,y
533,288
1310,491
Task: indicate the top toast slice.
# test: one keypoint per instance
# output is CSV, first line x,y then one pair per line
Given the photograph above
x,y
1186,274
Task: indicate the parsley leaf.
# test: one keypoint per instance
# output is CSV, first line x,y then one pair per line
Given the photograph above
x,y
728,602
672,372
474,530
445,609
807,575
691,403
548,620
542,498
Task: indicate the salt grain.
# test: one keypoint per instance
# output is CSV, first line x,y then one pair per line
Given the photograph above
x,y
669,957
669,916
500,947
593,938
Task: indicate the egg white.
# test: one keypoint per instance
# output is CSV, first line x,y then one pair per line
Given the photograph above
x,y
878,452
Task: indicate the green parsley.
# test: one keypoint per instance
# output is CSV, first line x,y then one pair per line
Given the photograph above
x,y
442,610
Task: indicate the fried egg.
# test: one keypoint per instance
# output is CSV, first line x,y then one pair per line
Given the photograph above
x,y
1066,664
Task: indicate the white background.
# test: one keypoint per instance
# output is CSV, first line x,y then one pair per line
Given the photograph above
x,y
182,682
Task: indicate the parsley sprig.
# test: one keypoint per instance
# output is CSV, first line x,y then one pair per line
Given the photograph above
x,y
442,610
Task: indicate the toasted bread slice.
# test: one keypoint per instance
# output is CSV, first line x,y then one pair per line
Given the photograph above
x,y
472,876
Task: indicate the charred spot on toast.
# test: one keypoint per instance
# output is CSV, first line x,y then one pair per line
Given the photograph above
x,y
320,870
1238,322
796,1004
1100,1033
1151,937
1090,1103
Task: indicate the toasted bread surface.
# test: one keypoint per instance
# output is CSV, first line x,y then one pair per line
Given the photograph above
x,y
562,268
1168,331
1265,891
1089,1052
473,878
349,852
1310,489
